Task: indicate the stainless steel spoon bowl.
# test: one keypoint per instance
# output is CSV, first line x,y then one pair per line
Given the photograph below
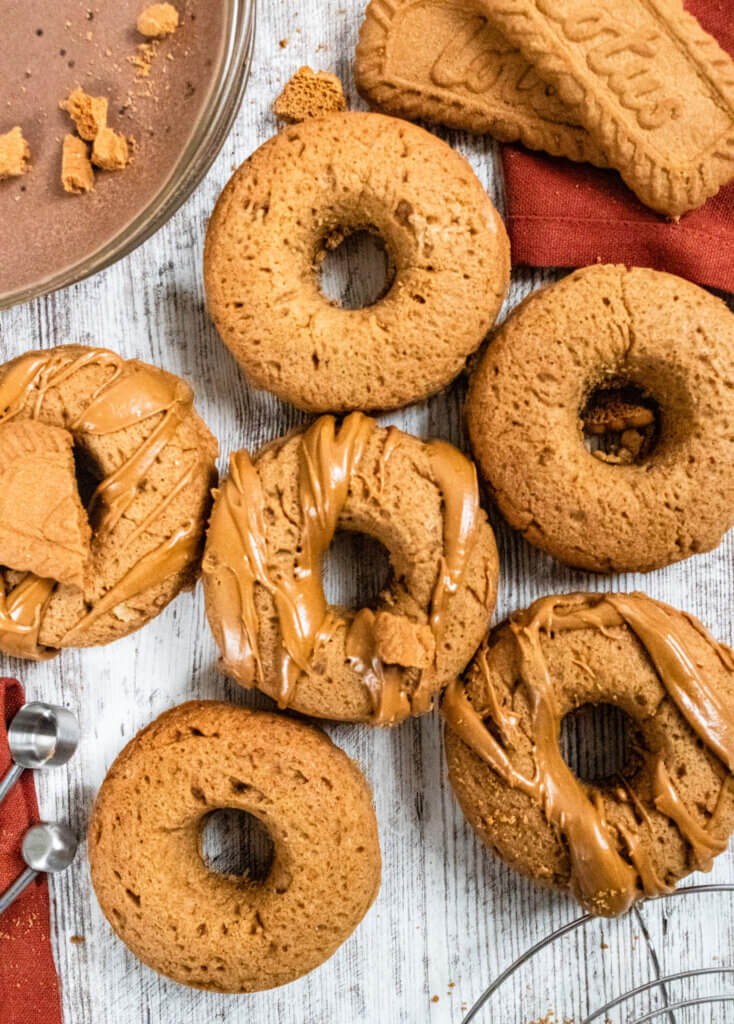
x,y
46,847
39,736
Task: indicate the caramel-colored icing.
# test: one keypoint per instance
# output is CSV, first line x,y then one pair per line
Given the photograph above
x,y
121,401
237,556
604,882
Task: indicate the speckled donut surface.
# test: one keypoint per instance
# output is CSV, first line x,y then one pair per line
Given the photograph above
x,y
225,932
314,182
669,338
273,519
668,812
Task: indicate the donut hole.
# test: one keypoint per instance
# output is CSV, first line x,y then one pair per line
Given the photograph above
x,y
356,270
355,570
234,842
598,743
88,475
620,423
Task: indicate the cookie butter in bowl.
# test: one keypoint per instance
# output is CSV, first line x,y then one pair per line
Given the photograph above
x,y
111,115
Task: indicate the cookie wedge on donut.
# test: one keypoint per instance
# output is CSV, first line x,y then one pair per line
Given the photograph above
x,y
601,333
223,932
670,808
446,244
274,517
149,461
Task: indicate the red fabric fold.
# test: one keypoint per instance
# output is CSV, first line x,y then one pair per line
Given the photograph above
x,y
561,214
29,985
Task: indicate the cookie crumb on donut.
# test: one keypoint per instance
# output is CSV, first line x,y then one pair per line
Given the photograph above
x,y
15,154
309,94
402,642
43,529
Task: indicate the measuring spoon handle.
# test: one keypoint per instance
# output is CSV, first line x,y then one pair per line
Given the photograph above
x,y
14,891
11,777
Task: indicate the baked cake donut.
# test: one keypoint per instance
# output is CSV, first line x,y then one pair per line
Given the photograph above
x,y
671,809
303,192
273,519
135,430
667,490
230,933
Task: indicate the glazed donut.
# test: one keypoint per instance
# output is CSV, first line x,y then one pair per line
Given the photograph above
x,y
136,431
274,518
659,498
301,193
227,932
671,809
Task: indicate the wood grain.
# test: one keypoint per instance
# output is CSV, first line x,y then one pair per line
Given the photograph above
x,y
449,916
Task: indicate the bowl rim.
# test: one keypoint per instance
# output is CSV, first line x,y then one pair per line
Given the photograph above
x,y
206,140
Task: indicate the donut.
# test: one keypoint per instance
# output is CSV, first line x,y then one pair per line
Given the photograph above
x,y
613,841
301,194
231,933
273,519
151,460
667,491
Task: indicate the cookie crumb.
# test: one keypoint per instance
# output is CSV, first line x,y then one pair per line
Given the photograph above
x,y
77,173
143,59
14,154
110,150
283,43
89,113
158,20
77,940
309,94
401,642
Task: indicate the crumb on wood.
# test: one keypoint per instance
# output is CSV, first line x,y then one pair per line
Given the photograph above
x,y
14,154
76,940
309,94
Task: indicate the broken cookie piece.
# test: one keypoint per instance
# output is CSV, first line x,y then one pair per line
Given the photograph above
x,y
309,94
77,173
110,150
89,113
14,154
43,526
158,20
401,642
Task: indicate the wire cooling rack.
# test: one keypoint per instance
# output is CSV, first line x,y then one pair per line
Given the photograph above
x,y
677,967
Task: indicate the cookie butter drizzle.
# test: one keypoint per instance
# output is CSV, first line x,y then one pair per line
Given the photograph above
x,y
604,882
237,544
120,402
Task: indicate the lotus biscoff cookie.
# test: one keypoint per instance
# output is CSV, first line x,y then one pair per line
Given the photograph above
x,y
653,90
442,61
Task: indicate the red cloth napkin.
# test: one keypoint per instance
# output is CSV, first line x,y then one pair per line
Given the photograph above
x,y
29,986
562,214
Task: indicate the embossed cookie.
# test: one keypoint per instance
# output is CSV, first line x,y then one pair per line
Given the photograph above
x,y
442,60
654,91
43,526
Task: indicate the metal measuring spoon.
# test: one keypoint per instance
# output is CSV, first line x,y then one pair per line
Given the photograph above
x,y
46,847
39,736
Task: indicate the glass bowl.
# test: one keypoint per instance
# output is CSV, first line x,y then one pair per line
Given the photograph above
x,y
215,119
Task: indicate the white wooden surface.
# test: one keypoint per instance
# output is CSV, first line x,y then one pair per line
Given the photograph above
x,y
449,916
